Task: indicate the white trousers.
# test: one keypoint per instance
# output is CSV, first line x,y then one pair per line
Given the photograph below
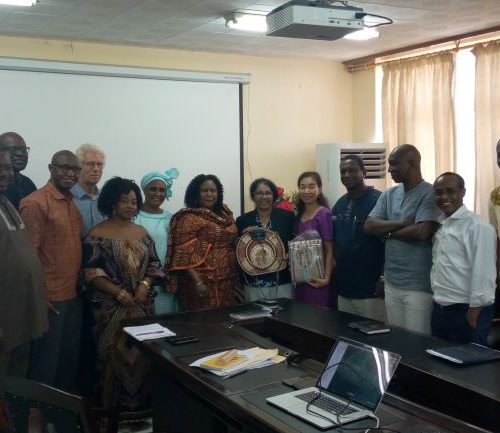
x,y
410,309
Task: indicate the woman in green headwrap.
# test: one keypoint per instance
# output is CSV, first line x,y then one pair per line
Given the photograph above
x,y
157,187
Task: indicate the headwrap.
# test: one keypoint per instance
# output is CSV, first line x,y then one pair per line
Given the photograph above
x,y
167,177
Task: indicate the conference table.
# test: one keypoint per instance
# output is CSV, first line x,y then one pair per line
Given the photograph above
x,y
426,395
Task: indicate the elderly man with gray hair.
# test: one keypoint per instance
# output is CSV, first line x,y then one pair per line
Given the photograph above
x,y
85,191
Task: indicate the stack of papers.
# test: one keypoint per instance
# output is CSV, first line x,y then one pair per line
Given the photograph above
x,y
230,363
148,332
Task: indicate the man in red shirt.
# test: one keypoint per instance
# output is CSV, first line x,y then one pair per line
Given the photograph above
x,y
54,225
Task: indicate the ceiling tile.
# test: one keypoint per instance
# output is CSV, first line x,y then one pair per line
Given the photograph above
x,y
199,24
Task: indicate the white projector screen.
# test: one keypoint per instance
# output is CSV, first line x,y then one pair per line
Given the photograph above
x,y
142,124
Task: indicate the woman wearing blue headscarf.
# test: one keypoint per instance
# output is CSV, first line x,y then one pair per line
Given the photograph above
x,y
157,186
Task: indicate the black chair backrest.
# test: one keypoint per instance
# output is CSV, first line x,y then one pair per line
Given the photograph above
x,y
61,412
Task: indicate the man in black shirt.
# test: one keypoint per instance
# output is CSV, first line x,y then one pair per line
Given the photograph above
x,y
359,256
22,185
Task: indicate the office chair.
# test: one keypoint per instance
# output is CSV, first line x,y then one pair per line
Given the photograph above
x,y
33,407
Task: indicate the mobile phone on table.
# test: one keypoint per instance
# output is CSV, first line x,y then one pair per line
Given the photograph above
x,y
182,339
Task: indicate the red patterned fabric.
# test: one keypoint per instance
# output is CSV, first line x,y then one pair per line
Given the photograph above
x,y
204,241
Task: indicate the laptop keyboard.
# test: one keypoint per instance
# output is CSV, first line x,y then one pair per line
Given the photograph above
x,y
326,403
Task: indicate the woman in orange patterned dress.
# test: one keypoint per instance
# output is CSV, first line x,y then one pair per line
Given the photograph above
x,y
201,259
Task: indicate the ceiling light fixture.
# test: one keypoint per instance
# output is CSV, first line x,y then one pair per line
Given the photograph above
x,y
249,21
18,2
363,35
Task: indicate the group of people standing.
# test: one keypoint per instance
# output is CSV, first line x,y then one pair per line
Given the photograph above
x,y
108,255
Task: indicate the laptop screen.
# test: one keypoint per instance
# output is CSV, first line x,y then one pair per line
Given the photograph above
x,y
357,372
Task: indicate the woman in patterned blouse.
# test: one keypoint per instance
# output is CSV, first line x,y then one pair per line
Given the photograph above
x,y
120,265
201,259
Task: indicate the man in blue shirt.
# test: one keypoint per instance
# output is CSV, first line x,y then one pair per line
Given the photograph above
x,y
86,192
359,256
85,196
406,217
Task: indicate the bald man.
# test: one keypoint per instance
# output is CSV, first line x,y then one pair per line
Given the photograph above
x,y
20,186
55,225
406,216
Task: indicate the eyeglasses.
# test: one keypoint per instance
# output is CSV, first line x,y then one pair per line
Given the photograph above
x,y
68,168
263,193
94,164
18,149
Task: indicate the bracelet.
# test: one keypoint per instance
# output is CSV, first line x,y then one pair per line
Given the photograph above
x,y
145,283
387,236
120,295
199,283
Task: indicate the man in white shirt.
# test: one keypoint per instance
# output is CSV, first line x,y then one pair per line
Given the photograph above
x,y
463,270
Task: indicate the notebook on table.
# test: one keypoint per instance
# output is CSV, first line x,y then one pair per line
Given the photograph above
x,y
370,327
350,387
466,354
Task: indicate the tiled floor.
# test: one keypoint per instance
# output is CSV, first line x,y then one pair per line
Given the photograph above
x,y
135,427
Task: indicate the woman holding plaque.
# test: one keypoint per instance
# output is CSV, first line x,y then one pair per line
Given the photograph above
x,y
313,213
264,194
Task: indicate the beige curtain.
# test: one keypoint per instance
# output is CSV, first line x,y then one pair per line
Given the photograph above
x,y
417,108
487,122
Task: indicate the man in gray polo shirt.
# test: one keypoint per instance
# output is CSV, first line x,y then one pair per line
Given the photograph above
x,y
406,217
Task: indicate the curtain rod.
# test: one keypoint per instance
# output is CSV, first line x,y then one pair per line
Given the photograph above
x,y
370,61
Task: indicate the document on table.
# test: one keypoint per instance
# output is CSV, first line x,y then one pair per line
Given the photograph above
x,y
255,357
148,332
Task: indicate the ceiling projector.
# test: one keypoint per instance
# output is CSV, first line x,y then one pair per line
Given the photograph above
x,y
314,20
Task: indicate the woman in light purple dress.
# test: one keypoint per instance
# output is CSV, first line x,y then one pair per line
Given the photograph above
x,y
313,213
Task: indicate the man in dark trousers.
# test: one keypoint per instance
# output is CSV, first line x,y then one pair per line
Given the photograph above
x,y
55,226
463,267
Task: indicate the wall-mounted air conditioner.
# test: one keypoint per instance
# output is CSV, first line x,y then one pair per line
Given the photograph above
x,y
328,158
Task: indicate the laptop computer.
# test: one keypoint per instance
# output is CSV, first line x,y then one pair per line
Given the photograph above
x,y
350,387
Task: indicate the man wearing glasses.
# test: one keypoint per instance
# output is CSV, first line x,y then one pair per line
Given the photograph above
x,y
463,267
22,186
85,191
55,225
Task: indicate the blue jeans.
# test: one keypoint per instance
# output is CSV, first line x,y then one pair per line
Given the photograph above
x,y
450,323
